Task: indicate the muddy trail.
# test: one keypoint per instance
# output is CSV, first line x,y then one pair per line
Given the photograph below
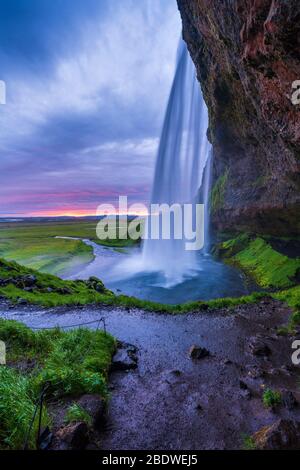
x,y
172,401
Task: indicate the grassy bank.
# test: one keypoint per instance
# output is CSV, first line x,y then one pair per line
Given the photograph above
x,y
34,244
256,257
20,284
51,291
62,363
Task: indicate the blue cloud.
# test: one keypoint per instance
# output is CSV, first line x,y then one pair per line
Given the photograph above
x,y
87,84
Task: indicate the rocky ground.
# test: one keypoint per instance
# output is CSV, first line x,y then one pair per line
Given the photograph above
x,y
196,381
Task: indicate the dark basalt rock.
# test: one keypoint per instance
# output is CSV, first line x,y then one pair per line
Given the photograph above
x,y
288,400
258,347
96,284
94,405
282,435
125,358
196,352
71,437
247,57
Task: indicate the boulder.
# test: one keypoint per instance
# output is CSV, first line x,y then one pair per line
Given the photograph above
x,y
72,437
95,283
29,281
258,347
288,400
25,281
94,405
284,434
125,357
197,352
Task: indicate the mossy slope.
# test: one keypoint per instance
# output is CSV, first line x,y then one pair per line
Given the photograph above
x,y
256,257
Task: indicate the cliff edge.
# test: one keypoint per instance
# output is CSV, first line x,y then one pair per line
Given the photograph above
x,y
247,58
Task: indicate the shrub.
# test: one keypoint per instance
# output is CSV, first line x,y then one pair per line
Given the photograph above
x,y
271,398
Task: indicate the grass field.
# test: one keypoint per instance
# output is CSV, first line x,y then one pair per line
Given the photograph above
x,y
33,244
64,364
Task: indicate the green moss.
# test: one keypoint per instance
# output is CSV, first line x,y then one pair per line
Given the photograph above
x,y
292,298
256,257
218,192
271,398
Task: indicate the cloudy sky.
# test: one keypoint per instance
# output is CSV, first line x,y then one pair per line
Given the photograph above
x,y
87,85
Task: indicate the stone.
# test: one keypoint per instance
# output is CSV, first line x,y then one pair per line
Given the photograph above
x,y
96,284
284,434
45,439
29,280
197,352
125,358
73,437
258,347
288,400
243,385
94,405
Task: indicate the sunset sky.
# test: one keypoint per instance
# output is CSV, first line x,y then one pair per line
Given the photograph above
x,y
87,85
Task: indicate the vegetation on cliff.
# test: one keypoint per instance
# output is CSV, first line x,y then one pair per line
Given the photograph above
x,y
255,256
218,192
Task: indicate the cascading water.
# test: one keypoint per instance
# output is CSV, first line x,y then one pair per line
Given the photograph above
x,y
165,271
182,174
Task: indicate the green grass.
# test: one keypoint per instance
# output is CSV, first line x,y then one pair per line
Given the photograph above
x,y
292,298
70,293
34,244
271,398
76,413
257,258
17,407
65,363
48,290
77,364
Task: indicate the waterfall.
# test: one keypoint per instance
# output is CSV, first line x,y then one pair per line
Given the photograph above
x,y
183,168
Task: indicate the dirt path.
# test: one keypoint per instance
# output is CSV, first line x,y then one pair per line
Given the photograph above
x,y
174,402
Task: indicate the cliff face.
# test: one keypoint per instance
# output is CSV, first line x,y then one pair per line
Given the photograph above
x,y
247,57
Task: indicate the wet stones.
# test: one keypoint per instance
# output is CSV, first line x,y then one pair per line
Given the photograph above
x,y
125,358
197,352
258,347
71,437
288,400
95,284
